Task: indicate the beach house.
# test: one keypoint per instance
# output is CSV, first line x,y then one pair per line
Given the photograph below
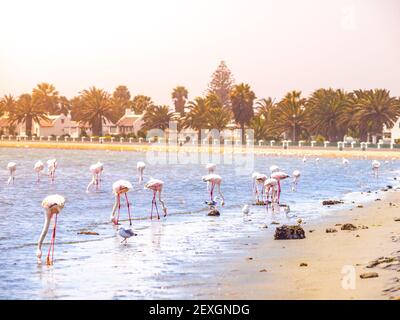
x,y
392,134
130,122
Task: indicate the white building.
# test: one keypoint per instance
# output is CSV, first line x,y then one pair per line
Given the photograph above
x,y
129,123
392,134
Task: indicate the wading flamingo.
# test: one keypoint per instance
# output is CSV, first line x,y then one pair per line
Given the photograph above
x,y
296,177
274,168
96,170
120,187
345,162
375,167
140,166
38,167
280,175
270,189
11,167
156,186
304,159
214,180
258,179
52,206
211,167
51,167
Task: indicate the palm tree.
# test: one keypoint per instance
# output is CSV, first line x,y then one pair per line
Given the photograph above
x,y
157,117
264,106
259,125
141,103
179,96
28,109
373,109
95,108
218,116
325,109
242,99
7,104
197,116
290,115
48,96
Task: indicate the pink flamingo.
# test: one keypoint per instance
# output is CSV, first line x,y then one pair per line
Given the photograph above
x,y
211,167
274,168
96,170
120,187
258,179
375,167
214,180
270,189
279,175
52,206
140,166
296,177
52,166
156,186
38,167
11,167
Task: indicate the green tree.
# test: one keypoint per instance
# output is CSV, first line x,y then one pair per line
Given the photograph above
x,y
47,95
157,117
141,103
179,97
95,107
28,109
197,116
242,99
325,108
222,83
290,116
218,116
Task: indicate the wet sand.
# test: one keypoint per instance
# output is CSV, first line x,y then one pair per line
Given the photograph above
x,y
264,150
272,269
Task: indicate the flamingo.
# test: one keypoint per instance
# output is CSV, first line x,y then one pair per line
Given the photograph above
x,y
52,206
211,167
140,166
258,179
280,175
52,166
375,167
304,159
214,180
120,187
96,170
270,189
274,168
38,167
11,167
296,177
156,186
317,160
345,162
125,233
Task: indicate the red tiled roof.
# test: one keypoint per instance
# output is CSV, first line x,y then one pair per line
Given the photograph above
x,y
128,121
46,123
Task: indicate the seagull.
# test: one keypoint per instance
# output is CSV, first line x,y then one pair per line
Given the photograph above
x,y
125,233
246,209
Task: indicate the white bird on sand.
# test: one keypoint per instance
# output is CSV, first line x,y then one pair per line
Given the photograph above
x,y
120,187
296,177
375,167
140,166
51,167
246,209
38,167
125,233
11,167
156,186
52,206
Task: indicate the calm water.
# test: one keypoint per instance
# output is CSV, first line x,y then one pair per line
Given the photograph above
x,y
172,258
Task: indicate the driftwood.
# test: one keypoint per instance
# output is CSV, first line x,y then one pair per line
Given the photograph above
x,y
331,202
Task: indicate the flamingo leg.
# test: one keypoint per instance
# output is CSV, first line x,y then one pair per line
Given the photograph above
x,y
212,191
279,191
49,261
152,204
129,209
119,208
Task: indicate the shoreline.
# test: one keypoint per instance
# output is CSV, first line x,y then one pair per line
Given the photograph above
x,y
271,270
329,152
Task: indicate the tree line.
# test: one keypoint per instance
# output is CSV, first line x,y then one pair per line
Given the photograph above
x,y
326,114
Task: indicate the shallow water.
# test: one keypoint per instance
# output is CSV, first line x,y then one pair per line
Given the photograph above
x,y
175,257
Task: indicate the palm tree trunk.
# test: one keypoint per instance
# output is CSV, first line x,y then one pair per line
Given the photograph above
x,y
28,125
243,136
199,137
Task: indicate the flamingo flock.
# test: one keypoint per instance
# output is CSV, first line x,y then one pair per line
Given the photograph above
x,y
266,189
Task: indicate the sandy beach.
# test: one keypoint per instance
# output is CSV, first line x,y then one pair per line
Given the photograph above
x,y
268,151
272,269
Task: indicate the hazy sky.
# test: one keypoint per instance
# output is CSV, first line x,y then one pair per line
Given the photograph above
x,y
154,45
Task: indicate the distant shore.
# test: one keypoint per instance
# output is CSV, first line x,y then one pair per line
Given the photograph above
x,y
273,270
264,150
